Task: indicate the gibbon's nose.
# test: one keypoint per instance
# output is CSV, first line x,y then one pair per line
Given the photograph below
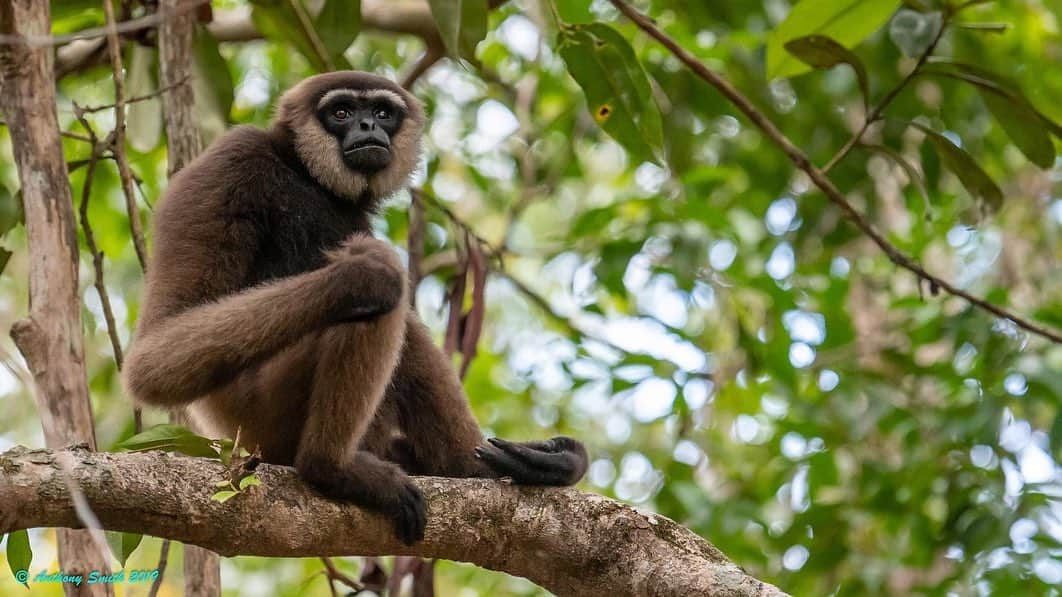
x,y
367,124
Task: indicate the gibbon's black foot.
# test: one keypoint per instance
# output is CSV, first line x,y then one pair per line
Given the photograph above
x,y
557,461
377,485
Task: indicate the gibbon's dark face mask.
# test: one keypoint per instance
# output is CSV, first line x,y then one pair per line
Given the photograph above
x,y
364,125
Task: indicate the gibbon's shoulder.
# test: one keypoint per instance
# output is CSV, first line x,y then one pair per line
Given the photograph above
x,y
231,174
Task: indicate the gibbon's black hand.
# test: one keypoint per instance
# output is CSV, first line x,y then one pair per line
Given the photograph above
x,y
557,461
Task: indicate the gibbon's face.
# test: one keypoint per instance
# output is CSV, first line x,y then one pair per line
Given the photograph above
x,y
357,134
364,123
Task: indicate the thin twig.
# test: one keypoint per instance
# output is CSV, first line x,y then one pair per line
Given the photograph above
x,y
144,22
164,558
801,161
114,47
97,255
310,32
432,54
140,98
333,573
877,112
498,254
67,134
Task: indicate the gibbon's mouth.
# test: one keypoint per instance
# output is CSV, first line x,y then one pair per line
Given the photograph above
x,y
369,157
368,146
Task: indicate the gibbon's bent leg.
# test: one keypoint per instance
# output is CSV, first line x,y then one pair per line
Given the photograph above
x,y
355,362
441,437
185,356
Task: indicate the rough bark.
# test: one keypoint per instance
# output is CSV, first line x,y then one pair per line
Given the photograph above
x,y
569,542
50,338
202,570
183,141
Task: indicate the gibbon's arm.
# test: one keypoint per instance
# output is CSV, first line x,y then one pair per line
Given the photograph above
x,y
179,358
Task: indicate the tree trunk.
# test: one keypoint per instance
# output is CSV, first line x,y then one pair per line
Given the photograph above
x,y
202,571
569,542
50,338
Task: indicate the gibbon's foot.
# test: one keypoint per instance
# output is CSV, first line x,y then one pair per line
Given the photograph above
x,y
557,461
376,485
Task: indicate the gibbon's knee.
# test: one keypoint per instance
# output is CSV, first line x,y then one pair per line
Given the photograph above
x,y
374,271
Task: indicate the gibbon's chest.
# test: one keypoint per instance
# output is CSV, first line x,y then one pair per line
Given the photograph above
x,y
300,227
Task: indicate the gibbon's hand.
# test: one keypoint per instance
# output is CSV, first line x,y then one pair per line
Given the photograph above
x,y
373,279
557,461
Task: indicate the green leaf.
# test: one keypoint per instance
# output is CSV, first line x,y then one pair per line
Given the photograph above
x,y
5,256
1023,126
170,438
224,496
819,51
123,544
144,118
286,21
972,177
617,89
338,24
462,25
11,213
987,79
575,11
249,481
846,21
1015,113
19,553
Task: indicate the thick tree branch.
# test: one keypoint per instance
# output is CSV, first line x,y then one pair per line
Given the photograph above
x,y
569,542
819,178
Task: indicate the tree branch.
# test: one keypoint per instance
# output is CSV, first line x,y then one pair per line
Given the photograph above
x,y
802,162
569,542
411,17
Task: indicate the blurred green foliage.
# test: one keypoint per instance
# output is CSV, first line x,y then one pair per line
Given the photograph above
x,y
736,355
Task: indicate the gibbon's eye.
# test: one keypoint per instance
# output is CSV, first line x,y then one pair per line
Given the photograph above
x,y
341,114
382,113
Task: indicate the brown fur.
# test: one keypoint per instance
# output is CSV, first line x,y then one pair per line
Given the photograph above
x,y
271,309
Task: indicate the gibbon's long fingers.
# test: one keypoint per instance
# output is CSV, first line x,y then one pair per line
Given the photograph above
x,y
504,465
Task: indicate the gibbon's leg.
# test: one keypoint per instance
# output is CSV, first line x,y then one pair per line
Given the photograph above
x,y
180,358
355,362
442,437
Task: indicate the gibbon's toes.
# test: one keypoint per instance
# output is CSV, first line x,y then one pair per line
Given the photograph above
x,y
376,485
558,461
